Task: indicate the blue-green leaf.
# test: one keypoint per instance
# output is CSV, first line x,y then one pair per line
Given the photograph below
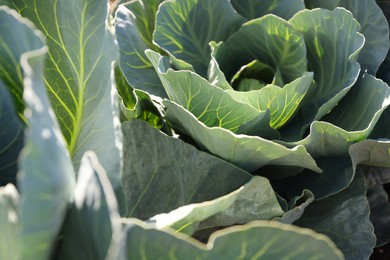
x,y
255,8
134,25
351,121
333,43
218,109
282,102
135,103
186,219
11,135
78,75
247,152
92,228
255,201
214,73
296,207
10,226
374,27
184,28
371,152
337,174
270,40
260,239
16,37
46,171
344,217
12,46
162,173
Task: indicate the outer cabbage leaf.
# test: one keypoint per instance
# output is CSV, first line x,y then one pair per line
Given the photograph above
x,y
337,174
333,43
270,40
256,209
92,228
256,200
46,171
372,156
384,69
339,171
218,109
11,135
371,152
78,75
186,218
296,207
259,239
374,27
16,38
10,223
134,25
247,152
254,8
184,28
12,46
162,173
344,217
351,121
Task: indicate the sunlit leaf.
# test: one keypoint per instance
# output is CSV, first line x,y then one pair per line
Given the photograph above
x,y
282,102
134,25
333,47
92,228
374,27
270,40
260,239
185,28
78,75
10,246
46,177
247,152
220,109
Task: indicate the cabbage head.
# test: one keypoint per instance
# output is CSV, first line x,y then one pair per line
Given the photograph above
x,y
285,89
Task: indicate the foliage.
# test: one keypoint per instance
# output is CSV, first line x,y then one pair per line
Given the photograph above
x,y
141,133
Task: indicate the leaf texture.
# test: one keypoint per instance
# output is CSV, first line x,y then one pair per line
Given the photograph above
x,y
78,75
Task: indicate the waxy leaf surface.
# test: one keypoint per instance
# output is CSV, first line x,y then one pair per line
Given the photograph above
x,y
162,173
259,239
134,25
92,229
46,176
77,75
185,28
9,223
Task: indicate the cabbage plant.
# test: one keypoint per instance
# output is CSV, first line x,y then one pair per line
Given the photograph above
x,y
188,129
281,89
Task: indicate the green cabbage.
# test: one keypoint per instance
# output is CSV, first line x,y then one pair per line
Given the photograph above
x,y
281,89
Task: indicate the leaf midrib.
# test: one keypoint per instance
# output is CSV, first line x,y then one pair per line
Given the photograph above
x,y
82,85
80,72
